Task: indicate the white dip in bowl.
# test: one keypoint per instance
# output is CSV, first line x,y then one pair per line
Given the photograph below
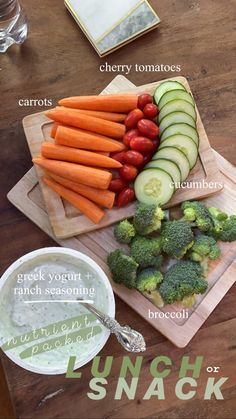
x,y
41,322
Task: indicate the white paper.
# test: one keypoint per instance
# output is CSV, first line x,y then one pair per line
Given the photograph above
x,y
99,16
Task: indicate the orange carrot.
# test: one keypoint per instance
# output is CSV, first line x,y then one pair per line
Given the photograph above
x,y
88,208
103,153
74,155
108,116
100,126
90,176
109,103
104,198
86,140
54,129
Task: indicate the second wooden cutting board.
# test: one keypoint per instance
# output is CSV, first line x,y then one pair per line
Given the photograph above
x,y
66,221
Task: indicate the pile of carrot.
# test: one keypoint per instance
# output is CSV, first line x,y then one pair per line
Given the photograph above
x,y
76,161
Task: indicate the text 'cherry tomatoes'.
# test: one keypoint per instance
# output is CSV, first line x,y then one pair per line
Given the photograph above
x,y
150,111
132,118
148,128
141,144
117,185
133,157
128,172
129,135
125,197
143,100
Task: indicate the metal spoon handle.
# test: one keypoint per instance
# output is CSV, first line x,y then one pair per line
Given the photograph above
x,y
106,320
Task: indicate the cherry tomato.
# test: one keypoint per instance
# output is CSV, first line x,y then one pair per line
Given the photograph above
x,y
125,197
117,185
128,172
146,159
155,144
132,118
148,128
150,111
143,100
133,157
118,156
129,135
141,144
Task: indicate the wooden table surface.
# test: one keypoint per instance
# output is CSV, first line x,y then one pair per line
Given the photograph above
x,y
56,61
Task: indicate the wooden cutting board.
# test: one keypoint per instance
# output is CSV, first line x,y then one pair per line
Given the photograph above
x,y
27,197
66,221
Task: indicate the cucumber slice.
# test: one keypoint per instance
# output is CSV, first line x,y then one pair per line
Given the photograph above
x,y
177,156
169,166
175,95
165,87
177,106
185,144
176,118
183,129
154,186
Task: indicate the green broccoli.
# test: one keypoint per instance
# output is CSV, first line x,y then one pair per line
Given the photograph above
x,y
204,246
197,213
146,251
224,227
123,268
182,280
124,232
148,279
148,218
177,238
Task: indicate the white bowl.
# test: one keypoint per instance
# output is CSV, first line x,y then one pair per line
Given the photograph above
x,y
99,340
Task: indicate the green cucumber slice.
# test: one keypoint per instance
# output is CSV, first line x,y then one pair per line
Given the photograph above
x,y
165,87
183,129
169,166
177,106
176,155
175,95
176,118
154,186
185,144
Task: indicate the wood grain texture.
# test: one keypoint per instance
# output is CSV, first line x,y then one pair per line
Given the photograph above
x,y
66,221
200,37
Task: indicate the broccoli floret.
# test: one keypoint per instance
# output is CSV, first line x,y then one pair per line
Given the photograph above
x,y
182,280
177,238
124,232
148,218
146,251
123,268
224,226
148,279
204,246
198,214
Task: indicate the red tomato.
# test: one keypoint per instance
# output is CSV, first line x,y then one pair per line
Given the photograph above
x,y
125,197
132,118
141,144
117,185
150,111
129,135
118,156
146,160
128,172
155,144
143,100
148,128
133,157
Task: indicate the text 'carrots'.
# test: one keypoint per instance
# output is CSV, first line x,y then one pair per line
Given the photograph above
x,y
108,116
90,176
86,140
109,103
86,122
59,152
88,208
101,197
